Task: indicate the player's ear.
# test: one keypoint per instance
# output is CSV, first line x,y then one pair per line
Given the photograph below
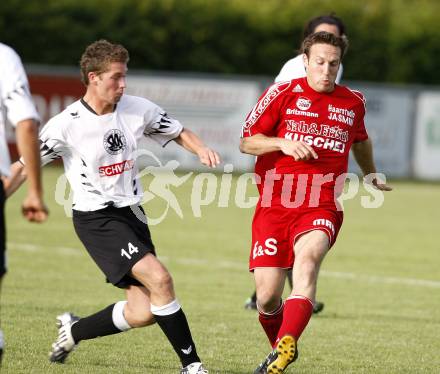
x,y
93,77
305,60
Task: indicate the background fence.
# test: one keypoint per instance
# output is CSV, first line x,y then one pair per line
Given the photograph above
x,y
403,121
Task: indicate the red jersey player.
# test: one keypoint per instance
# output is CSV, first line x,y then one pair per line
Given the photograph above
x,y
302,132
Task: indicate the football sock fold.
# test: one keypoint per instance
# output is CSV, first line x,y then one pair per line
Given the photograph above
x,y
271,322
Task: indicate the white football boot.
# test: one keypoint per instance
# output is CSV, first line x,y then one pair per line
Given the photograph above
x,y
194,368
65,343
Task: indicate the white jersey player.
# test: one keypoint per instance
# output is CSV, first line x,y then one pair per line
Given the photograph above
x,y
99,151
16,106
97,138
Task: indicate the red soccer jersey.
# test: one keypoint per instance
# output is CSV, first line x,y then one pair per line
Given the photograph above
x,y
329,122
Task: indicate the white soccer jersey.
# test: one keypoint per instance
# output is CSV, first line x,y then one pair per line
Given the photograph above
x,y
98,150
15,100
294,68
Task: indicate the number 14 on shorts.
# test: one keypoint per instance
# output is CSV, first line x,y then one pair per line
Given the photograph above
x,y
131,249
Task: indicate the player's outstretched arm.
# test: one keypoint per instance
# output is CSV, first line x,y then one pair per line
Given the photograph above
x,y
191,142
363,154
33,207
260,144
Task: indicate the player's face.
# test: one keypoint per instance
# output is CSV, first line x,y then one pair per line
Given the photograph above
x,y
110,85
322,66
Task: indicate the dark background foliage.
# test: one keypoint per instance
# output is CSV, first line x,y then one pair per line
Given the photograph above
x,y
390,40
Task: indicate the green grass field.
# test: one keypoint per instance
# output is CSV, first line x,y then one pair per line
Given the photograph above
x,y
380,285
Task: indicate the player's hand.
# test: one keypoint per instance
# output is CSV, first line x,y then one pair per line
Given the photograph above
x,y
208,157
377,182
300,151
380,185
34,209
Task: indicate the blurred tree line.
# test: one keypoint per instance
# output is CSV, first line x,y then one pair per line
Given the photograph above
x,y
390,40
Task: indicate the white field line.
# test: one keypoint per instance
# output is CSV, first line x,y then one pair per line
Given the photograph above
x,y
381,279
36,248
237,265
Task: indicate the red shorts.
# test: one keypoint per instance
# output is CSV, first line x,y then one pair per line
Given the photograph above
x,y
275,230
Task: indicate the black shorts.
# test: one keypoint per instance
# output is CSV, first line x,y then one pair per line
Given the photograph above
x,y
116,239
2,231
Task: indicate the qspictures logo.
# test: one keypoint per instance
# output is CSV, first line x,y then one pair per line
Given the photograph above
x,y
222,189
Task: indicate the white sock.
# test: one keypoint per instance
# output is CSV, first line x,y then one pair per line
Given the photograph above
x,y
118,316
165,310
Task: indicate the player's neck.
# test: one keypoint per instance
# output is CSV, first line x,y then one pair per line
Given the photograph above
x,y
99,107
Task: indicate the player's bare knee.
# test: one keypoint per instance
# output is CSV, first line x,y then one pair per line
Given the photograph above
x,y
267,301
162,281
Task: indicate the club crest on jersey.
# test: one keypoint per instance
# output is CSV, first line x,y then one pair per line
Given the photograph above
x,y
303,103
114,141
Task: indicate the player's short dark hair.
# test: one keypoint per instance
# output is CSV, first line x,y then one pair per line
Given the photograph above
x,y
324,37
99,55
330,19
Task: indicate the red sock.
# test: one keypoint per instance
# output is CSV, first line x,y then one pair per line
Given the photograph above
x,y
297,312
271,323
